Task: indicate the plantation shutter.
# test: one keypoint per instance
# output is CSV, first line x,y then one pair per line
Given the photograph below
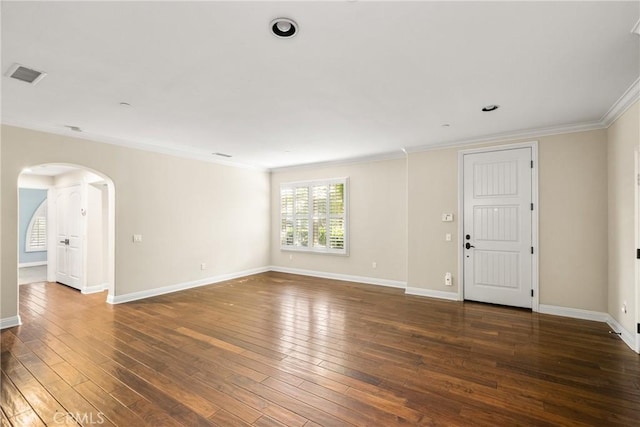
x,y
313,216
36,239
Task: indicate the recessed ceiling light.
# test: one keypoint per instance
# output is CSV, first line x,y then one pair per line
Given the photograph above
x,y
222,154
284,27
73,128
492,107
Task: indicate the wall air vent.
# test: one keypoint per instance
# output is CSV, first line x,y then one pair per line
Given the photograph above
x,y
24,74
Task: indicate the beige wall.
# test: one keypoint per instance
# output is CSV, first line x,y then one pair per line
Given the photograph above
x,y
623,141
377,221
585,209
184,209
432,191
573,218
6,308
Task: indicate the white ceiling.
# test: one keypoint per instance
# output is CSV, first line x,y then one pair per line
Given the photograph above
x,y
360,78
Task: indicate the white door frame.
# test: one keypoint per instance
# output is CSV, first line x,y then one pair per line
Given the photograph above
x,y
110,244
535,303
636,333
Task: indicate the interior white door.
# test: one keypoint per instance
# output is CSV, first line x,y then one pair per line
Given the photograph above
x,y
497,227
69,236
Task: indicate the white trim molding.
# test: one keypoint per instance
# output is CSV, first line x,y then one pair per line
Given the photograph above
x,y
133,296
431,293
628,98
95,288
10,322
576,313
342,277
32,264
174,151
627,337
636,28
391,155
500,138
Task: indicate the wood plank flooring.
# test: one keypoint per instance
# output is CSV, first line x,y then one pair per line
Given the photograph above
x,y
284,350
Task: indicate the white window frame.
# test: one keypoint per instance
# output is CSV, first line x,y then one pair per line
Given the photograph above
x,y
309,185
41,212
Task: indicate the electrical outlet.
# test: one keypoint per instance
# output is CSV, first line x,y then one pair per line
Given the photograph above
x,y
374,264
290,257
137,238
447,237
624,307
448,281
203,266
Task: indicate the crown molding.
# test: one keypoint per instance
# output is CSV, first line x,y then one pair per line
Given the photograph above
x,y
636,28
511,136
87,136
392,155
628,98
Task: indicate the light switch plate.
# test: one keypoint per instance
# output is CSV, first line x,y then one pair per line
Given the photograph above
x,y
137,238
447,217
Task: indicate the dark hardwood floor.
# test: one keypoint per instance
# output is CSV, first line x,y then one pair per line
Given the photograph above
x,y
276,349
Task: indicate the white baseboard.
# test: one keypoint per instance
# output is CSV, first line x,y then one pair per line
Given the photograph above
x,y
343,277
626,336
10,322
118,299
431,293
95,288
629,338
32,264
575,313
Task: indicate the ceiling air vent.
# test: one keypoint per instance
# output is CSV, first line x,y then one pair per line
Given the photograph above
x,y
25,74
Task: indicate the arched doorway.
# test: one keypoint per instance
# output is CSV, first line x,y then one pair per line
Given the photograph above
x,y
80,232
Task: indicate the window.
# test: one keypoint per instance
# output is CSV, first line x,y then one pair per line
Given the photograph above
x,y
36,240
313,216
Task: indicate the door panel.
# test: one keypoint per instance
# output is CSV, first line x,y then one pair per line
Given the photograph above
x,y
61,236
497,222
69,236
74,218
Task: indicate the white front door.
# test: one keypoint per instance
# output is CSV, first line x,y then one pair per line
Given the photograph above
x,y
497,227
69,236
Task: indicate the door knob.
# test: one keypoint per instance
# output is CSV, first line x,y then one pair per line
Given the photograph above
x,y
65,241
469,245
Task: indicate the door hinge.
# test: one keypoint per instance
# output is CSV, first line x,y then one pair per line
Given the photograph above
x,y
639,328
531,292
531,164
531,206
531,249
639,180
638,253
